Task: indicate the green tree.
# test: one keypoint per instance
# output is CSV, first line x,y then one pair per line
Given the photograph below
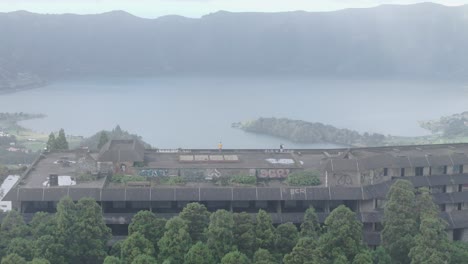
x,y
244,233
400,221
458,252
112,260
263,256
425,206
116,249
93,230
264,231
51,143
12,226
61,141
144,259
39,261
343,234
103,139
47,247
176,241
365,257
81,227
199,254
135,245
286,238
150,226
380,256
302,253
197,217
42,224
13,259
310,227
235,257
220,236
22,247
431,244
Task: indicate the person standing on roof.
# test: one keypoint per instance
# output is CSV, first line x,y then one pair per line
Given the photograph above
x,y
281,147
220,146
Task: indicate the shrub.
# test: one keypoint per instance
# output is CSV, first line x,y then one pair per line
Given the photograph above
x,y
121,178
304,178
244,179
173,180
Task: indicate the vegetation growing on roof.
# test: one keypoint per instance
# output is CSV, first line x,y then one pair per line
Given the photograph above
x,y
304,178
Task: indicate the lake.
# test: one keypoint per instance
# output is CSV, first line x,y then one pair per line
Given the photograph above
x,y
197,112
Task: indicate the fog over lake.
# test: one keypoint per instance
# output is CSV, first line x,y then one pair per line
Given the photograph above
x,y
197,112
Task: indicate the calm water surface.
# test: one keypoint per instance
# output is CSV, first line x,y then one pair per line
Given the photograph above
x,y
197,112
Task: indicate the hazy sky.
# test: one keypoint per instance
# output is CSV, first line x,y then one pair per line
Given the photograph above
x,y
194,8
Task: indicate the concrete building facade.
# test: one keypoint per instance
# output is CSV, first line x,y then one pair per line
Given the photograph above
x,y
125,178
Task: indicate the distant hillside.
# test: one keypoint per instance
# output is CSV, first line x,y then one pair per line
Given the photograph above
x,y
417,41
307,132
116,133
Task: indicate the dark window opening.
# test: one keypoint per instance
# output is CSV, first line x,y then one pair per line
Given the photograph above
x,y
419,171
402,172
457,234
459,206
442,207
445,169
460,188
385,172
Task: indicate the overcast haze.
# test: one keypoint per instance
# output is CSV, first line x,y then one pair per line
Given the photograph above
x,y
195,8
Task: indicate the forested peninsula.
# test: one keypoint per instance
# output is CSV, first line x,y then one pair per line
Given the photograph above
x,y
307,132
447,129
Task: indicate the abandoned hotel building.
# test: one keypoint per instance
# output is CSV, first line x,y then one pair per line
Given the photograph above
x,y
164,181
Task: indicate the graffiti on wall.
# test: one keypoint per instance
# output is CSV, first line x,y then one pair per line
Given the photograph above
x,y
273,173
343,179
156,173
212,173
296,191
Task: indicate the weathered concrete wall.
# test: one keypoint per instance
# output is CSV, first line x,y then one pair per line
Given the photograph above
x,y
367,205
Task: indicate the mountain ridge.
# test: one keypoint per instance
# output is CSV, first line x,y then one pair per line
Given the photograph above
x,y
390,41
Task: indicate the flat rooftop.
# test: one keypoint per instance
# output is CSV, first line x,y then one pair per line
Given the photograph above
x,y
78,163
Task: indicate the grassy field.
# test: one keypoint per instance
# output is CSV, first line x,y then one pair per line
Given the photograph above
x,y
28,138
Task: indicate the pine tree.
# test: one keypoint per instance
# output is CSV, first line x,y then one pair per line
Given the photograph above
x,y
82,229
286,238
244,233
103,139
135,245
61,141
220,236
197,217
302,253
199,254
310,227
400,221
176,241
263,256
431,244
365,257
343,235
235,257
380,256
264,231
147,224
51,143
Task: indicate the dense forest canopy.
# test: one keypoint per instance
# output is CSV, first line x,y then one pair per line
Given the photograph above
x,y
412,233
